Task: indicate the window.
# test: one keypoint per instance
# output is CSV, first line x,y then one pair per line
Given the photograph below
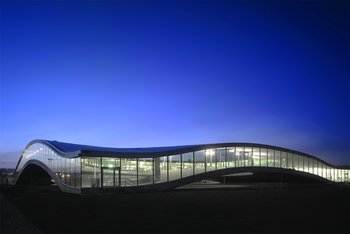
x,y
77,172
248,157
300,165
128,172
230,154
108,172
295,160
240,156
284,159
220,158
263,154
270,158
289,160
145,171
312,166
160,169
277,158
199,161
256,156
174,167
91,172
187,164
210,159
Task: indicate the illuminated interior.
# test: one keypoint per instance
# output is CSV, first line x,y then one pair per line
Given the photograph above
x,y
78,171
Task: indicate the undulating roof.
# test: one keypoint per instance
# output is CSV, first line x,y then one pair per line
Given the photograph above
x,y
69,147
75,150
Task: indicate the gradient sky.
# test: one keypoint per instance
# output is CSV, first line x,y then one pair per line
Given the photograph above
x,y
138,74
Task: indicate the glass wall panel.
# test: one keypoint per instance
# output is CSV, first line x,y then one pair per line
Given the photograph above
x,y
277,158
174,167
199,162
270,158
67,171
306,164
59,168
108,172
337,175
71,171
295,160
311,166
328,173
299,162
63,171
210,159
323,173
160,169
248,156
284,159
318,167
230,154
128,172
342,176
78,172
289,160
91,172
145,171
187,164
240,157
263,157
321,168
256,157
220,158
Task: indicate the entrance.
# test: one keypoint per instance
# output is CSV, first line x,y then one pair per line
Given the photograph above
x,y
110,177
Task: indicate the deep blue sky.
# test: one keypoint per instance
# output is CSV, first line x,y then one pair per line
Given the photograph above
x,y
130,74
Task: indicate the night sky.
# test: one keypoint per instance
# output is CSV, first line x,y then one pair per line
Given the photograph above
x,y
138,74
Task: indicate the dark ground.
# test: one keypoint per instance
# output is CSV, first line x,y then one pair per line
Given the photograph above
x,y
296,209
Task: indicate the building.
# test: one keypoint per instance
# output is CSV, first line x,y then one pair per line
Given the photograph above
x,y
82,168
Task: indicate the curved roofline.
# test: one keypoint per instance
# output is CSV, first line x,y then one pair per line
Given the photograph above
x,y
53,147
69,150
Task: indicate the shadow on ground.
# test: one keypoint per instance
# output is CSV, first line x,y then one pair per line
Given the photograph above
x,y
297,209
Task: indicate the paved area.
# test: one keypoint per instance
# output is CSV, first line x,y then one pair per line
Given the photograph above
x,y
303,209
12,220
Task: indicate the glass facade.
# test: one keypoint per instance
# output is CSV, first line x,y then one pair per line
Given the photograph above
x,y
256,157
210,159
145,171
91,172
199,162
263,156
173,167
128,172
221,158
67,170
109,172
160,169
